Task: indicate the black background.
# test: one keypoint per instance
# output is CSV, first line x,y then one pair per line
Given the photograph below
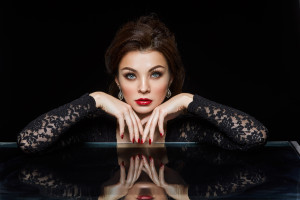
x,y
239,53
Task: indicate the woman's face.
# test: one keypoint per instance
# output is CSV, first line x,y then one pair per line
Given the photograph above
x,y
144,74
146,191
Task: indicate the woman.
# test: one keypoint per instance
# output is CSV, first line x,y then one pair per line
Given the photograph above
x,y
148,75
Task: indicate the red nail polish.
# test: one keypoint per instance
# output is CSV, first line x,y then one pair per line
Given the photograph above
x,y
142,141
122,136
123,163
150,158
149,141
139,140
133,140
161,164
161,134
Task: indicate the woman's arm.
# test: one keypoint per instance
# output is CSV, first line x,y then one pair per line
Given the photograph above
x,y
46,129
235,125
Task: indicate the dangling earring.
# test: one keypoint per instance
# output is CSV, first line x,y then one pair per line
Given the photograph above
x,y
168,93
120,95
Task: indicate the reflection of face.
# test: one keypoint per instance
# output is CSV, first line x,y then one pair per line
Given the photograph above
x,y
145,188
144,75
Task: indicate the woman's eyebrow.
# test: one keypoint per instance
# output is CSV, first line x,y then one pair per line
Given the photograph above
x,y
153,68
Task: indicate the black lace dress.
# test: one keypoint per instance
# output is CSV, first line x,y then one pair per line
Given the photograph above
x,y
81,121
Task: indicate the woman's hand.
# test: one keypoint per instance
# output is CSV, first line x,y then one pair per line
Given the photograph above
x,y
176,191
122,111
119,190
164,112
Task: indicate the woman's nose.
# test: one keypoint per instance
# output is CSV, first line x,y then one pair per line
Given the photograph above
x,y
144,86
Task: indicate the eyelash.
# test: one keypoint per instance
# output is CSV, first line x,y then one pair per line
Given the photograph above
x,y
154,72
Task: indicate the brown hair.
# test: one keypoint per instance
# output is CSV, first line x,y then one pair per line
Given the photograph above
x,y
144,34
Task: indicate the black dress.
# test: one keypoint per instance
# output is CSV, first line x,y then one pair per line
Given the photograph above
x,y
81,121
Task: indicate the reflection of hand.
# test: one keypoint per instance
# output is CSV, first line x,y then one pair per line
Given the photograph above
x,y
120,189
164,112
175,191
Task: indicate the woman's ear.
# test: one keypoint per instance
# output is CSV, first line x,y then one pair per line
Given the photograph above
x,y
170,82
117,81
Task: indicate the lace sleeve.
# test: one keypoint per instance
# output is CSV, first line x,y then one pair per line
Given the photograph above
x,y
232,129
53,183
234,183
219,174
50,185
46,129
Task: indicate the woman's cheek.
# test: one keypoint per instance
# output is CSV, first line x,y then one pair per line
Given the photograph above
x,y
160,92
129,92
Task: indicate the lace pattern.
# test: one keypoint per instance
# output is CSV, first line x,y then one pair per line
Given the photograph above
x,y
205,122
47,128
234,128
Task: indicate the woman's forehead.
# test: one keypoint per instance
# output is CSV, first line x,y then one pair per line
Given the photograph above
x,y
143,60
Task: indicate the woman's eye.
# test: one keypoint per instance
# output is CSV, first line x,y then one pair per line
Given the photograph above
x,y
157,74
130,76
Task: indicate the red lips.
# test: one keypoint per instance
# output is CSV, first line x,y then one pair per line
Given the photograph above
x,y
143,101
144,197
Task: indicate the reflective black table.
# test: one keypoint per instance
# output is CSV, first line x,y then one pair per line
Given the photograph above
x,y
170,171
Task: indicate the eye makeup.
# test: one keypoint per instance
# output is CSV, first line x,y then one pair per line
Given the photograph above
x,y
132,75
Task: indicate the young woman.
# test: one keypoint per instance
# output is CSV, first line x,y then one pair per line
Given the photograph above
x,y
145,93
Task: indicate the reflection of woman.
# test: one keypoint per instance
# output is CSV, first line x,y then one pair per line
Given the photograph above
x,y
147,77
143,173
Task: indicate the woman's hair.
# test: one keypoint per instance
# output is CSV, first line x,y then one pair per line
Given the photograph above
x,y
145,34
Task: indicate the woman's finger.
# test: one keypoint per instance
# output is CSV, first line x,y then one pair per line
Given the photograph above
x,y
146,130
135,126
153,125
136,168
130,172
140,168
122,173
145,119
122,125
162,175
147,167
154,173
146,171
129,125
161,119
140,126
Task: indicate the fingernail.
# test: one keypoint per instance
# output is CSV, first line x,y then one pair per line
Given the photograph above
x,y
161,164
133,140
142,141
139,140
149,141
161,134
123,163
122,136
150,158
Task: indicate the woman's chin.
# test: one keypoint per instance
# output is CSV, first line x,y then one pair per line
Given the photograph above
x,y
143,109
